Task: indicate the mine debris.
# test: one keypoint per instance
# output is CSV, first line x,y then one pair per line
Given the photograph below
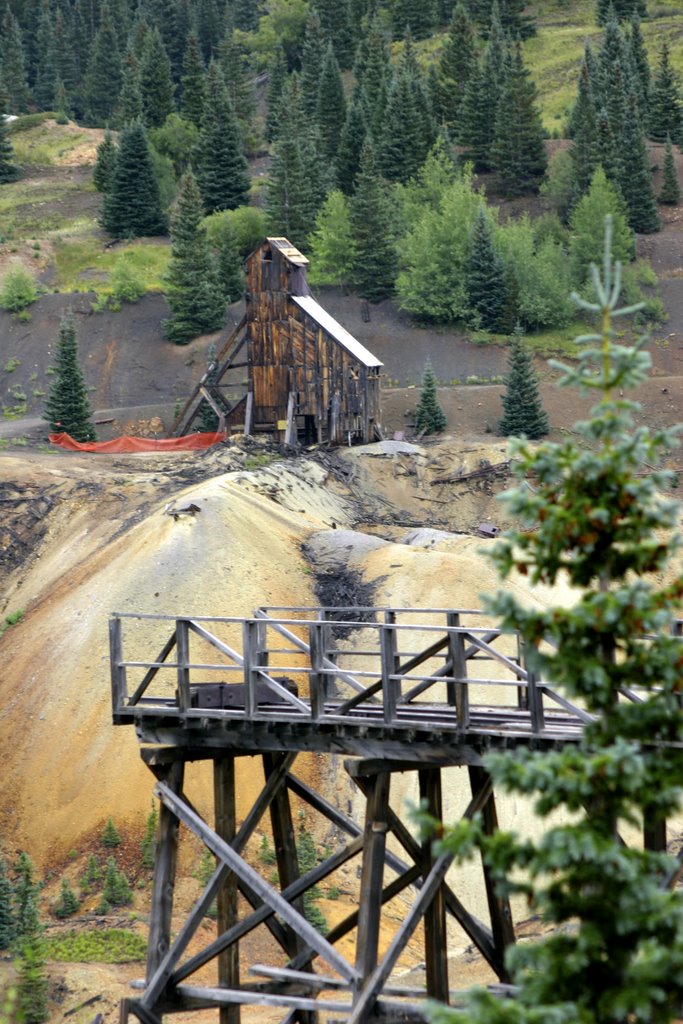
x,y
487,470
186,510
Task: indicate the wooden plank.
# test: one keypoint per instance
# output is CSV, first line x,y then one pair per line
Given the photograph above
x,y
370,902
290,430
367,997
226,826
249,413
163,885
183,656
391,687
150,674
117,669
499,906
246,873
263,912
222,997
436,936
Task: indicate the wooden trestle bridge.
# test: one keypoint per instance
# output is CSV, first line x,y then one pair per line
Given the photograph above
x,y
390,691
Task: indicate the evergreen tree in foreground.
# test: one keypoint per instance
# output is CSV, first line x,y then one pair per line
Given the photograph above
x,y
429,416
671,187
132,206
67,407
8,170
594,518
193,290
524,415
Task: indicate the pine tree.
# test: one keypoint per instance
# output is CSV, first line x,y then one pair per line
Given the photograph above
x,y
666,108
156,83
246,14
66,68
68,902
606,150
194,82
33,980
485,276
8,926
129,107
518,152
193,291
584,134
404,145
239,82
105,164
13,80
104,75
586,224
416,16
456,64
25,896
641,68
294,193
595,519
335,20
117,892
429,416
635,177
331,244
372,221
219,164
524,415
9,171
671,187
110,836
44,81
374,82
350,148
612,52
67,407
277,75
312,57
149,839
331,105
132,206
481,99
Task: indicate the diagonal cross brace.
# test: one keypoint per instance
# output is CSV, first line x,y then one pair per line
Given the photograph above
x,y
245,873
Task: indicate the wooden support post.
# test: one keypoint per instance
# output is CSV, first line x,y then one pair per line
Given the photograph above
x,y
250,644
164,872
458,656
182,632
499,906
436,936
290,430
371,883
654,835
118,671
248,413
390,666
316,680
226,827
284,839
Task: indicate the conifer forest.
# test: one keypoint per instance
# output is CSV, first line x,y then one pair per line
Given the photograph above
x,y
475,186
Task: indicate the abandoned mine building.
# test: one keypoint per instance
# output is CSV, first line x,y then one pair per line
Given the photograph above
x,y
307,379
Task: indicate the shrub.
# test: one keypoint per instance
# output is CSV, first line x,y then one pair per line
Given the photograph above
x,y
248,224
18,290
127,286
110,836
68,902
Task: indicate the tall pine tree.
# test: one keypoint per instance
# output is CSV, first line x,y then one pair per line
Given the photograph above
x,y
666,107
67,407
104,75
331,104
484,276
671,188
13,79
456,64
635,177
132,207
372,221
518,151
193,290
193,82
524,415
156,83
219,163
429,416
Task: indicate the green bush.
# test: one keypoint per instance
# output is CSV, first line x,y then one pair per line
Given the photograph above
x,y
127,285
106,946
18,290
248,224
110,836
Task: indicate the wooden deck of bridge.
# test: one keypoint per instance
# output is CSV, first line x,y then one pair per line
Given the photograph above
x,y
390,690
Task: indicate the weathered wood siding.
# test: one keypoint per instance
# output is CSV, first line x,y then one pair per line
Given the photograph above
x,y
289,352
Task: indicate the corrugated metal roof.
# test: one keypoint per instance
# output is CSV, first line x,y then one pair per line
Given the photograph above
x,y
339,333
289,251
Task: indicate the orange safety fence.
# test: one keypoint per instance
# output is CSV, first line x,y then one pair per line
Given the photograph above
x,y
191,442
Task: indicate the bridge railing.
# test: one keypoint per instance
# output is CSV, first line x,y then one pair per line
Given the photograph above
x,y
384,667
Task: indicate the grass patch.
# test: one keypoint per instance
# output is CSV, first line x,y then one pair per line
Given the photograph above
x,y
32,209
109,946
557,342
13,617
44,144
82,264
